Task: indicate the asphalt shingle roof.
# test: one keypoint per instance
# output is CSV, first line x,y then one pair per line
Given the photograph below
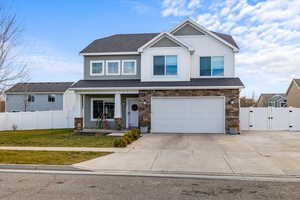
x,y
131,42
204,82
40,87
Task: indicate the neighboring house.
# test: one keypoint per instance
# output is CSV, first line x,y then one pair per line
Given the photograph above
x,y
180,81
293,94
272,100
43,96
247,102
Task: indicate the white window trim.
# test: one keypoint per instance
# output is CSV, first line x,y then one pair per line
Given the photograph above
x,y
91,67
124,73
165,69
211,76
52,95
110,100
113,61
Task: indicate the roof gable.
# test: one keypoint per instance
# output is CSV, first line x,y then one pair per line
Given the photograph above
x,y
223,38
297,84
168,36
187,29
165,42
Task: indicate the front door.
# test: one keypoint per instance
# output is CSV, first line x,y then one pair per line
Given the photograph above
x,y
132,113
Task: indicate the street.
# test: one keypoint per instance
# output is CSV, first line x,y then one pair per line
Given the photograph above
x,y
55,186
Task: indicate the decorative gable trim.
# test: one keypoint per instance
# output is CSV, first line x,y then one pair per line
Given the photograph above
x,y
203,30
163,35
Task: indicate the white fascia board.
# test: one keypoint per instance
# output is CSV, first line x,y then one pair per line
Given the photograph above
x,y
169,36
110,53
203,29
159,88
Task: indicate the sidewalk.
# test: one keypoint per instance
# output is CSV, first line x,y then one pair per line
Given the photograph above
x,y
94,149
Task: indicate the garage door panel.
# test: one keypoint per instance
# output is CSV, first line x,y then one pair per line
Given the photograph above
x,y
188,115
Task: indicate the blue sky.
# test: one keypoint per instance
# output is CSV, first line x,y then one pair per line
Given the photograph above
x,y
268,33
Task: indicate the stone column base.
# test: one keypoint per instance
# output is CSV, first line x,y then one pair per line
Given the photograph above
x,y
78,124
118,123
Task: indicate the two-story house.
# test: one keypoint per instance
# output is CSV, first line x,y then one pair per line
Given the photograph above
x,y
180,81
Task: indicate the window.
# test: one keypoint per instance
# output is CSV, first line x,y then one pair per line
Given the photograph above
x,y
129,67
113,67
212,66
102,108
51,98
164,65
30,98
96,67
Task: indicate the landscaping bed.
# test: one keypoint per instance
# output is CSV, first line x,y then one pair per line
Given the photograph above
x,y
53,138
47,157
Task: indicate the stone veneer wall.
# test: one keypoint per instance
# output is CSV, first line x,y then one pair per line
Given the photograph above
x,y
232,110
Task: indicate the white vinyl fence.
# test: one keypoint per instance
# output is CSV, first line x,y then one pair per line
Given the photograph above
x,y
273,119
36,120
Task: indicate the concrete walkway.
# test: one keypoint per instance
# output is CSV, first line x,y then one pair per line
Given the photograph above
x,y
65,149
257,153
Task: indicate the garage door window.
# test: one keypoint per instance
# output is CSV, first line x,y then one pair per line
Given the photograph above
x,y
165,65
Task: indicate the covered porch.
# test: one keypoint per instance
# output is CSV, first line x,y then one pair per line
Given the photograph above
x,y
108,109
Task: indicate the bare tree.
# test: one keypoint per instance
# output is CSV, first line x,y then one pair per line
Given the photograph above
x,y
11,70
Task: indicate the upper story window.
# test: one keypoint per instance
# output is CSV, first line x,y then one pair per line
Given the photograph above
x,y
129,67
112,67
165,65
51,98
30,98
97,67
212,66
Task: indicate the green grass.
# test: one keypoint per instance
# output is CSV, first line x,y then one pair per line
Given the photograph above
x,y
53,138
47,157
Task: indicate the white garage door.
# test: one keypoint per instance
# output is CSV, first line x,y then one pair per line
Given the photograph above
x,y
187,115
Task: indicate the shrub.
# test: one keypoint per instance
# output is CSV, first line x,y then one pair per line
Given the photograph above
x,y
136,133
118,142
127,138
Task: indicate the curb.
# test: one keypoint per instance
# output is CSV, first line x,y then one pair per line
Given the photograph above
x,y
40,167
259,178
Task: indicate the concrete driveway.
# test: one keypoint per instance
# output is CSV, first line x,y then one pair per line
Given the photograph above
x,y
260,153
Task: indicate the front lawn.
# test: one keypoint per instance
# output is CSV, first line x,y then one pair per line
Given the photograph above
x,y
53,138
47,157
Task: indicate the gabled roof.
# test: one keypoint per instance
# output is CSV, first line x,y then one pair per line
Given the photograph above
x,y
224,38
130,43
42,87
167,35
294,81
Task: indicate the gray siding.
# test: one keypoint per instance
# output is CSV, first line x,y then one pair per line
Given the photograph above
x,y
16,103
88,123
187,30
165,42
87,60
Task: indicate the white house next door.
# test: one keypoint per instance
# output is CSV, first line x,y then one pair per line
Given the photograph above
x,y
188,115
132,113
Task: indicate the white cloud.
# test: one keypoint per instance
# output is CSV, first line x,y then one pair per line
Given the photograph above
x,y
268,33
179,8
46,63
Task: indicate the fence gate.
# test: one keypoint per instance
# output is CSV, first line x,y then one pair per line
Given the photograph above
x,y
270,118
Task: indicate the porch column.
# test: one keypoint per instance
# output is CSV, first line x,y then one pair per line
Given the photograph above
x,y
78,120
118,111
